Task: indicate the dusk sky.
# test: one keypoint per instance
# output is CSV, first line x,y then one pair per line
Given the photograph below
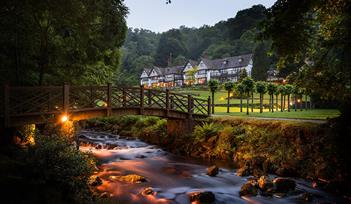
x,y
158,16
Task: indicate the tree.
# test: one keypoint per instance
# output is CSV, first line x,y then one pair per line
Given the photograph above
x,y
49,42
271,88
171,44
190,75
213,86
240,89
289,89
242,74
281,89
261,88
317,36
261,62
249,85
276,93
229,86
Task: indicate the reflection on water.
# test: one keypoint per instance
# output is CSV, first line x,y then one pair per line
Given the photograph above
x,y
170,177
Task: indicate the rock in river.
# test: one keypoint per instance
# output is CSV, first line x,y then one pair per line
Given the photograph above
x,y
265,183
284,185
212,171
131,178
249,189
202,197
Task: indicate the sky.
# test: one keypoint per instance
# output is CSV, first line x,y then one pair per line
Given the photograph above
x,y
157,16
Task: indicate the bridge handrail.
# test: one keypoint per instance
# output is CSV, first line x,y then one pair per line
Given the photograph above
x,y
24,100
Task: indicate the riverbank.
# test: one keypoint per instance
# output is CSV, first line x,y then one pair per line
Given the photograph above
x,y
257,147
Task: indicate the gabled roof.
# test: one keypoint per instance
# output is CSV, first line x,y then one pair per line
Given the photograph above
x,y
229,62
173,70
147,71
159,71
192,62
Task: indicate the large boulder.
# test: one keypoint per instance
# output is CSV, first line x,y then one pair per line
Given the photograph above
x,y
265,183
249,189
205,197
212,171
283,185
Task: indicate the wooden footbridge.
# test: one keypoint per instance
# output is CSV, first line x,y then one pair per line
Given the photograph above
x,y
35,105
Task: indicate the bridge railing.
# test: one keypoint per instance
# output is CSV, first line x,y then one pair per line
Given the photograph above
x,y
26,101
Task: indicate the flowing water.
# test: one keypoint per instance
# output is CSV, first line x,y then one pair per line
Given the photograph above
x,y
171,177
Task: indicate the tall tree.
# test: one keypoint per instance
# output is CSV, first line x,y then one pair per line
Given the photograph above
x,y
240,90
213,85
289,89
317,35
57,41
261,61
249,85
281,89
229,86
261,88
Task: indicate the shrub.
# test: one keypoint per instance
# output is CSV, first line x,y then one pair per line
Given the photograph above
x,y
202,132
225,144
54,163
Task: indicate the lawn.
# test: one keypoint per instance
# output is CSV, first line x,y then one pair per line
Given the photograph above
x,y
221,99
315,114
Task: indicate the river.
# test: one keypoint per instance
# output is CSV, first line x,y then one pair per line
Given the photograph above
x,y
172,177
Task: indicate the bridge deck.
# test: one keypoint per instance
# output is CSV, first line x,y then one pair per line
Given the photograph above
x,y
34,105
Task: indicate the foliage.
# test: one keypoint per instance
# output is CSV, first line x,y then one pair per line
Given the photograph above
x,y
235,36
190,75
272,88
316,37
248,85
261,87
240,88
229,86
50,171
41,44
289,89
213,85
261,61
282,90
206,130
242,75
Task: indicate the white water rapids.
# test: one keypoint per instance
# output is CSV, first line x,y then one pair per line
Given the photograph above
x,y
172,177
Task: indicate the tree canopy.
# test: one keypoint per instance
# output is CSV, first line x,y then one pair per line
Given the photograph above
x,y
51,42
314,36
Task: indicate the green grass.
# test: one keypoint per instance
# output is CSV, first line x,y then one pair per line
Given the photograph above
x,y
221,98
315,114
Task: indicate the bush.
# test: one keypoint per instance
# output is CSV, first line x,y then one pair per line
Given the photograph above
x,y
206,130
51,171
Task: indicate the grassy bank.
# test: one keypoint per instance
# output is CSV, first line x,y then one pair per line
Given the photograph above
x,y
221,109
258,147
315,114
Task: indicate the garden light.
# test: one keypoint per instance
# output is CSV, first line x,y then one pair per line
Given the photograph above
x,y
64,118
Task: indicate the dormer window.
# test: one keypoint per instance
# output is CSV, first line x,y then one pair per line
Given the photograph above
x,y
240,59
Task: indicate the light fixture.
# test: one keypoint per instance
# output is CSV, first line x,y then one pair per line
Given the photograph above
x,y
64,118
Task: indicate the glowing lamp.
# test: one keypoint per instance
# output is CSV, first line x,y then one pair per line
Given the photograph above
x,y
64,118
298,100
